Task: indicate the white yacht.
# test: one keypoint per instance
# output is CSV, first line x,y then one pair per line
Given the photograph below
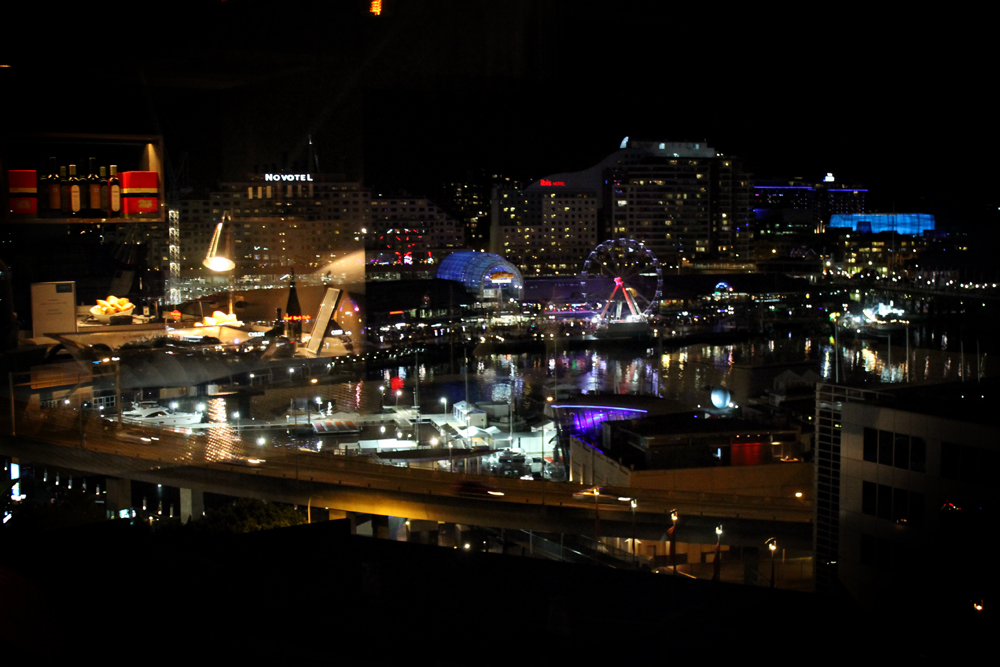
x,y
151,413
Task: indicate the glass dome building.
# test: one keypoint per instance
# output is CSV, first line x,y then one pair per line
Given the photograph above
x,y
481,273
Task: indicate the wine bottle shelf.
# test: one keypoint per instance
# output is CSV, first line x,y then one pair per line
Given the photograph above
x,y
141,156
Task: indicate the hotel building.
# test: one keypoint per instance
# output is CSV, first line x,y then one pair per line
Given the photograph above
x,y
687,202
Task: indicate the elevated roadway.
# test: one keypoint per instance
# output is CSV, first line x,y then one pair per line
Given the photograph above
x,y
221,461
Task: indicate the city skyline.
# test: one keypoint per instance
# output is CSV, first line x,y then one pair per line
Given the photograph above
x,y
430,90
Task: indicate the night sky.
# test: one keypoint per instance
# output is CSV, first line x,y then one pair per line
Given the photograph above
x,y
434,88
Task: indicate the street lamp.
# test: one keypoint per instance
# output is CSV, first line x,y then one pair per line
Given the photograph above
x,y
597,517
399,392
444,402
673,540
236,416
716,575
633,504
772,544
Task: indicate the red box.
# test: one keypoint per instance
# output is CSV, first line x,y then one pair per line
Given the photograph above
x,y
140,192
23,191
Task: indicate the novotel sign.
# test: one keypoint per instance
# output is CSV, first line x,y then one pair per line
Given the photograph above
x,y
546,181
288,177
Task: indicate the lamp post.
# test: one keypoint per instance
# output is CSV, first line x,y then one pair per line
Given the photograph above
x,y
632,503
381,398
597,516
772,544
673,540
399,392
717,573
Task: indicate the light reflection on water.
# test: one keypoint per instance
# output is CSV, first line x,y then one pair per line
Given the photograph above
x,y
685,375
688,374
223,441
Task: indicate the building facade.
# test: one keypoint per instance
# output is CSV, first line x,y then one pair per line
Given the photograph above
x,y
685,201
785,206
305,221
544,231
902,473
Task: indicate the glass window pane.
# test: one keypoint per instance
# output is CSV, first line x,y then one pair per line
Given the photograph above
x,y
900,505
871,445
868,498
918,454
901,454
884,509
885,448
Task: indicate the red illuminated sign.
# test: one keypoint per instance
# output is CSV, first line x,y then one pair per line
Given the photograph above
x,y
396,384
175,315
546,181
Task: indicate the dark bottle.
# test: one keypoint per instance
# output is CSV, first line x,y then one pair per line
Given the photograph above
x,y
53,199
114,193
76,192
104,191
93,190
43,192
64,206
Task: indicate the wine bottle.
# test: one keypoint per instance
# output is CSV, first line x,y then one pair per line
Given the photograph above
x,y
103,177
114,193
43,192
93,191
64,192
52,193
76,192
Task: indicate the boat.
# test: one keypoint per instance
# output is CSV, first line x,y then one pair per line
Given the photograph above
x,y
151,413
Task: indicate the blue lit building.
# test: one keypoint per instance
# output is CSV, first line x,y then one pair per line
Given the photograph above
x,y
482,273
913,224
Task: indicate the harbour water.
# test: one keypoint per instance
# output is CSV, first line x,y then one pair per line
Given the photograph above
x,y
685,375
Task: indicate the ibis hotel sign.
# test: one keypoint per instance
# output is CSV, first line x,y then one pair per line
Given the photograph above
x,y
288,177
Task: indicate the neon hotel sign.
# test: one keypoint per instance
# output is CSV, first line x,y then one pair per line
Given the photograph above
x,y
546,181
288,177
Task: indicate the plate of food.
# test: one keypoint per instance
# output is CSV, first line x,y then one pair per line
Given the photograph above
x,y
111,307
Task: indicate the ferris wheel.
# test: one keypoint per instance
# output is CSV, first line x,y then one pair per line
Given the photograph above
x,y
634,279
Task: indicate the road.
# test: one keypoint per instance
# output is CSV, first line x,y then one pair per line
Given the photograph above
x,y
222,460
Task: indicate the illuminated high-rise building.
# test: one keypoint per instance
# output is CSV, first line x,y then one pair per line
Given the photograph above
x,y
546,230
686,202
468,201
784,207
